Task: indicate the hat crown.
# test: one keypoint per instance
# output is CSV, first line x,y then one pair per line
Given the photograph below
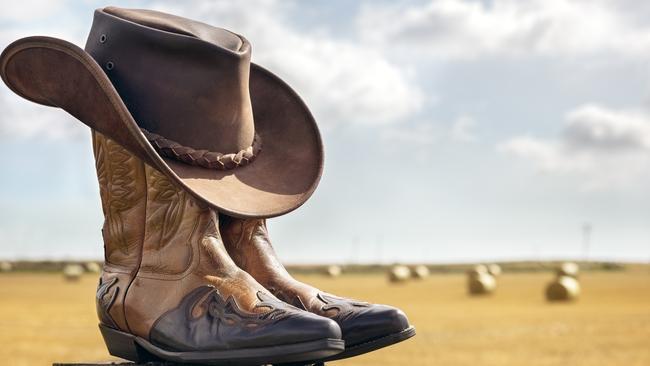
x,y
179,78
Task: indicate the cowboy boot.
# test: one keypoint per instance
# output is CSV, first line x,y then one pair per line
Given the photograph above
x,y
170,291
366,327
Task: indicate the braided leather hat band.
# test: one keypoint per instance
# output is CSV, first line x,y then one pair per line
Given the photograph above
x,y
203,158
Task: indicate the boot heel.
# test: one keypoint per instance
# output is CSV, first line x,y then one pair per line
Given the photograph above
x,y
123,345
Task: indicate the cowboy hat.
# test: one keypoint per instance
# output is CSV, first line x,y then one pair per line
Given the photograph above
x,y
184,97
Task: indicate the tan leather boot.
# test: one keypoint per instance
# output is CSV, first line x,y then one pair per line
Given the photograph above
x,y
169,289
366,327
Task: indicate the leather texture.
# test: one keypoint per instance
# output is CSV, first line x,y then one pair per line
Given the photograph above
x,y
122,188
173,79
249,245
214,322
191,83
204,158
168,277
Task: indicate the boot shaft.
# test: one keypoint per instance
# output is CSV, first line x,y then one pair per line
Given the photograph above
x,y
123,189
160,243
148,220
148,227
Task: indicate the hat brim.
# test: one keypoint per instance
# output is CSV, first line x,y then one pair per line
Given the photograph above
x,y
283,176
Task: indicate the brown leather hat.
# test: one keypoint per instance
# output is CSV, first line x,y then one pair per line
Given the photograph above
x,y
184,97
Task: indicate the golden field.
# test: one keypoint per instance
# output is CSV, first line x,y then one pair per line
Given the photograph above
x,y
44,319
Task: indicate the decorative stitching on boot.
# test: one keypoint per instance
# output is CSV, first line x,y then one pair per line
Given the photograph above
x,y
106,294
344,308
116,172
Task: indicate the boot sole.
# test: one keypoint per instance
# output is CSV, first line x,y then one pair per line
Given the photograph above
x,y
373,344
133,348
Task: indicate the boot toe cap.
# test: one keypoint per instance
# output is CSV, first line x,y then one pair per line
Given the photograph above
x,y
373,322
304,326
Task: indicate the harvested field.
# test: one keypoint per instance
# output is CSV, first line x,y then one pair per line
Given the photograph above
x,y
45,319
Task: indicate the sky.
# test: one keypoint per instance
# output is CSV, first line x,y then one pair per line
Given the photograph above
x,y
453,130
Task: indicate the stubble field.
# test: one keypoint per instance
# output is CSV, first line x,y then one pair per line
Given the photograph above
x,y
44,319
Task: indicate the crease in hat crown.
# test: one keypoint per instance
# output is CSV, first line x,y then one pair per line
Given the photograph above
x,y
186,83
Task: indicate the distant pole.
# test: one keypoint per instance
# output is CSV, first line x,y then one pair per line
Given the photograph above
x,y
586,240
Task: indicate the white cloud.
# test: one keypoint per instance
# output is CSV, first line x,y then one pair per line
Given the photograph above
x,y
342,81
595,127
426,133
462,130
53,18
421,134
457,29
22,119
603,148
29,10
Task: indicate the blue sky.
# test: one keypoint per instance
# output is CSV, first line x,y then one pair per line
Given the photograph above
x,y
454,130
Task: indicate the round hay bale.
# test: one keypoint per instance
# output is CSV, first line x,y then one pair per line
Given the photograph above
x,y
6,266
399,274
334,271
563,288
494,269
477,270
481,284
93,267
420,272
72,272
569,269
